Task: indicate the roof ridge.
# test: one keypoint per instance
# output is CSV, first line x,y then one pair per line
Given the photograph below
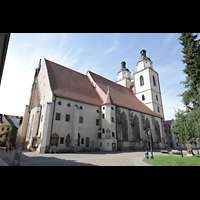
x,y
64,67
110,81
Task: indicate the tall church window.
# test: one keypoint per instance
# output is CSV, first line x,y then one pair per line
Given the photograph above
x,y
154,81
158,109
143,97
137,128
141,81
147,123
124,126
157,129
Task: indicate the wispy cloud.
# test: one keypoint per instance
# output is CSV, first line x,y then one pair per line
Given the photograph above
x,y
171,101
169,38
115,45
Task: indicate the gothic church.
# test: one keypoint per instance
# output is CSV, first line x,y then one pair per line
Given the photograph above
x,y
74,112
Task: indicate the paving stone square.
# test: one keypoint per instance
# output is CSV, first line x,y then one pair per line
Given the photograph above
x,y
119,158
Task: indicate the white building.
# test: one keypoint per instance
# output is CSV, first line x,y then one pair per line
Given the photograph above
x,y
70,110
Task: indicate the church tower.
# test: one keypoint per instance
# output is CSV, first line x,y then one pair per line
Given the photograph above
x,y
124,76
146,84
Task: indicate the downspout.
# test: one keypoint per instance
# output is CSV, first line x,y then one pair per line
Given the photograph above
x,y
52,121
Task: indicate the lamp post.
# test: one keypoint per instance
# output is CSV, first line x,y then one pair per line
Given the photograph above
x,y
150,134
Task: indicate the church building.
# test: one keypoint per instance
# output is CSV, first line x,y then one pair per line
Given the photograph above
x,y
74,112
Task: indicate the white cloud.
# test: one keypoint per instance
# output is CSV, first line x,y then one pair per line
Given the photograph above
x,y
115,45
169,38
170,102
21,61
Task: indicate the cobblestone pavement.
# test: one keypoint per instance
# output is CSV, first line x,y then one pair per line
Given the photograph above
x,y
119,158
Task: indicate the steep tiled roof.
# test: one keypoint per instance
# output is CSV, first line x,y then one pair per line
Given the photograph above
x,y
121,95
70,84
108,99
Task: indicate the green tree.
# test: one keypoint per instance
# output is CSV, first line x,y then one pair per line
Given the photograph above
x,y
193,120
186,126
191,51
180,127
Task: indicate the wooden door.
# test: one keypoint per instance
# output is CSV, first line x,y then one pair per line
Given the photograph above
x,y
113,147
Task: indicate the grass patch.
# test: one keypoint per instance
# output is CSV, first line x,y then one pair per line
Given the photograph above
x,y
173,161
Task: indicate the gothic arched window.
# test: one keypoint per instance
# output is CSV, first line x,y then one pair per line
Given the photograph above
x,y
137,127
141,81
124,126
154,81
157,129
147,123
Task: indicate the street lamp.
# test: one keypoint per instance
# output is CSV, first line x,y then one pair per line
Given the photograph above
x,y
150,134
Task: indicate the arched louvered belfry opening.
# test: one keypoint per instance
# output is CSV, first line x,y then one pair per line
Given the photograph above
x,y
141,80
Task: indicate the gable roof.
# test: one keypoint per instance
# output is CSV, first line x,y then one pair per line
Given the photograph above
x,y
70,84
121,95
9,120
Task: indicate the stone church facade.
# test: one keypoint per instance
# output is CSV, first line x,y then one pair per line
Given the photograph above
x,y
71,111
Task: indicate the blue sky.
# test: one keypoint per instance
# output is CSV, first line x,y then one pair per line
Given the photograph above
x,y
101,53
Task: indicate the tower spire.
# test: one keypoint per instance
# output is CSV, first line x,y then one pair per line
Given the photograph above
x,y
108,99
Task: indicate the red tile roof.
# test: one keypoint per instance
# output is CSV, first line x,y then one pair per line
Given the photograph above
x,y
121,95
169,122
108,100
72,85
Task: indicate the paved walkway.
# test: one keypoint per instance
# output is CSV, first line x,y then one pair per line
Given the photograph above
x,y
132,158
3,163
119,158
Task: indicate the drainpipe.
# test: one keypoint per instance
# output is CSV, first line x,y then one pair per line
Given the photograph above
x,y
52,121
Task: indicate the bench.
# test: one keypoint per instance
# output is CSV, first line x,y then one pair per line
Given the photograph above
x,y
164,151
175,152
